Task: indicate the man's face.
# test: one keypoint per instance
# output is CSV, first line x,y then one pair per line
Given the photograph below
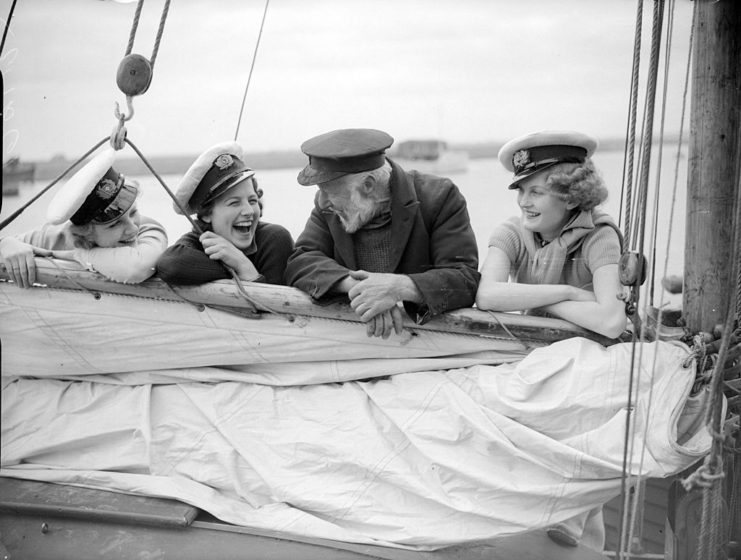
x,y
346,198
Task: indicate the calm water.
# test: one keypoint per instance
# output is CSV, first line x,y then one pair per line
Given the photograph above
x,y
483,185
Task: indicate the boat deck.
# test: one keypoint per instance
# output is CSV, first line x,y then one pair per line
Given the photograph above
x,y
50,521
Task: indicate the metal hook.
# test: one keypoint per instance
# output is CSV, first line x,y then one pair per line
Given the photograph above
x,y
122,117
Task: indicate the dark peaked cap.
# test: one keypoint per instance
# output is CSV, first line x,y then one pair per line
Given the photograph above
x,y
341,152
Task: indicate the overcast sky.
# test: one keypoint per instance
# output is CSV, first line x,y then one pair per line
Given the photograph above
x,y
462,70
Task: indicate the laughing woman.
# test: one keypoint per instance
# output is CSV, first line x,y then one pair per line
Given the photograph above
x,y
562,253
223,194
93,220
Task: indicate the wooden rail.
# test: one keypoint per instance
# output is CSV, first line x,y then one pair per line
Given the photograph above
x,y
286,300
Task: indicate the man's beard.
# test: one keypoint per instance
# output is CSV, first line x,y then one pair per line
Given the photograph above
x,y
363,210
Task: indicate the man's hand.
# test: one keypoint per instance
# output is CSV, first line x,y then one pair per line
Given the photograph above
x,y
374,293
381,324
375,297
219,249
17,257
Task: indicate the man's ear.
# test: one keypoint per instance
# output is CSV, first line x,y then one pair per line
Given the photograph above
x,y
368,185
206,218
571,205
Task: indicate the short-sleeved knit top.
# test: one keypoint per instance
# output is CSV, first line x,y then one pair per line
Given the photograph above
x,y
598,244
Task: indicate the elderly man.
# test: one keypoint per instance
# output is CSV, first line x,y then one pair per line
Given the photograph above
x,y
382,235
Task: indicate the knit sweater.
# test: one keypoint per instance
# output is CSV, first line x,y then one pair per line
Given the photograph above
x,y
185,262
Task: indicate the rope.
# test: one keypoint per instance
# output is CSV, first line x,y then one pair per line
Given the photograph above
x,y
504,327
134,26
660,155
96,294
630,133
632,230
160,30
649,113
252,66
7,26
18,212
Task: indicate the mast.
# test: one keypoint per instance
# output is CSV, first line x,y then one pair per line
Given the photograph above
x,y
713,188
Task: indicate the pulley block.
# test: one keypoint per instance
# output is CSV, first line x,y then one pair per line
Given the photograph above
x,y
134,74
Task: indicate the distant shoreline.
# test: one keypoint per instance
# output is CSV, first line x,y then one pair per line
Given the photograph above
x,y
277,159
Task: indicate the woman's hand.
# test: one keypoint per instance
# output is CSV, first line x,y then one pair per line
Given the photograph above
x,y
219,249
18,258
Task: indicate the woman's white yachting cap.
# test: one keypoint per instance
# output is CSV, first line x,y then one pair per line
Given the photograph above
x,y
97,193
214,172
537,151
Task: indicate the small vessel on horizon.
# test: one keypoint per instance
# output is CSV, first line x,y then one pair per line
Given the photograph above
x,y
16,172
430,156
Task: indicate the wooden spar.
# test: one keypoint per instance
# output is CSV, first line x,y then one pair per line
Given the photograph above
x,y
531,331
713,190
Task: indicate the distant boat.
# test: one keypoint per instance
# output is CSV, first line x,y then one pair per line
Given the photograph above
x,y
14,173
430,156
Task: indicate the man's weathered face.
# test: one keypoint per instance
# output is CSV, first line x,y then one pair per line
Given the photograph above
x,y
346,198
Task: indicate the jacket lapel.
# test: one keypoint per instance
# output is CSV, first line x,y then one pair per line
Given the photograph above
x,y
404,205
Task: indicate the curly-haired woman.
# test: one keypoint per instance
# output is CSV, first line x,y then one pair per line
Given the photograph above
x,y
561,253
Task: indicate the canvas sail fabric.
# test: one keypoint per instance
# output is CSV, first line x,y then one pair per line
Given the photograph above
x,y
420,460
48,332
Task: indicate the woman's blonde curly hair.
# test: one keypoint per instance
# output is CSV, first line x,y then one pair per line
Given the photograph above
x,y
578,183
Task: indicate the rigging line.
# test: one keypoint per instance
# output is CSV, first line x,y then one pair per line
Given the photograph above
x,y
626,195
134,26
180,206
660,155
641,201
160,30
650,103
18,212
680,141
671,218
252,67
7,26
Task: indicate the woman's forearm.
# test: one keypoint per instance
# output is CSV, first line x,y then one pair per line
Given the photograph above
x,y
510,296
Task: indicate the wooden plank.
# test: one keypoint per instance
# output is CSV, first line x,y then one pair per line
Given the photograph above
x,y
26,497
530,330
53,538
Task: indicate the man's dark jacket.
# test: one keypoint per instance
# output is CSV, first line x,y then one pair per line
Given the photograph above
x,y
432,243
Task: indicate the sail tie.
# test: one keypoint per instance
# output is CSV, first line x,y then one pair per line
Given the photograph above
x,y
96,294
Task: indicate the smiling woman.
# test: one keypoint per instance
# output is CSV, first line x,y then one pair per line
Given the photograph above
x,y
94,221
221,190
562,253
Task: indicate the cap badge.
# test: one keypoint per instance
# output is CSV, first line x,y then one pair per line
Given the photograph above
x,y
224,161
106,189
521,158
